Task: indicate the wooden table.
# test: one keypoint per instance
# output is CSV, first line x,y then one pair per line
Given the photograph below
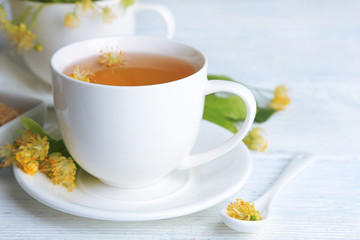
x,y
310,46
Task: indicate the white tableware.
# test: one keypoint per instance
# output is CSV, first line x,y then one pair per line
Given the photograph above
x,y
180,193
16,77
133,136
264,203
53,35
31,107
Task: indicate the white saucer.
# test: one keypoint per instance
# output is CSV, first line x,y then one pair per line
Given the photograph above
x,y
180,193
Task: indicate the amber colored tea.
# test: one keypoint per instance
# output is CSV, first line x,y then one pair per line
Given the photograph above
x,y
138,69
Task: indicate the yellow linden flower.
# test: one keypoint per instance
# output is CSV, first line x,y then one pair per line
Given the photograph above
x,y
3,14
30,167
86,5
71,20
111,57
34,145
243,210
22,27
281,99
30,153
60,170
20,36
256,140
82,75
31,149
107,15
38,47
23,139
4,24
40,147
7,152
26,161
11,30
26,42
24,155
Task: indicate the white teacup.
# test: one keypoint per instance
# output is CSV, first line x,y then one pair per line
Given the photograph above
x,y
132,137
54,35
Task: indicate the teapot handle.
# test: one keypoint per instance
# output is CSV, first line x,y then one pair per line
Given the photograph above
x,y
163,11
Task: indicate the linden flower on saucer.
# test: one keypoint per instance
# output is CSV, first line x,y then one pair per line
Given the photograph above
x,y
31,149
243,210
59,169
281,99
111,57
7,152
82,75
33,145
30,152
30,168
26,151
255,140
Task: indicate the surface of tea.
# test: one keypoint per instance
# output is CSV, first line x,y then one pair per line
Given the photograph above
x,y
137,69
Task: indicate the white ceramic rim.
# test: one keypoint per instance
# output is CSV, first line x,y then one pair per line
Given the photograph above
x,y
64,76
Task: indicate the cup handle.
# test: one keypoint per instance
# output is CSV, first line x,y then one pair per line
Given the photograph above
x,y
225,86
164,12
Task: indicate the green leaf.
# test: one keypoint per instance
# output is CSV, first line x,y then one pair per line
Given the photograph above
x,y
59,146
34,127
231,107
224,111
263,114
220,77
127,3
227,112
213,117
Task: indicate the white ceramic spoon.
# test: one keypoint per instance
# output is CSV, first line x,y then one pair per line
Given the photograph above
x,y
264,203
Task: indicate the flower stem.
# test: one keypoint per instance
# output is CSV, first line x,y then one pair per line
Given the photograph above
x,y
36,16
23,16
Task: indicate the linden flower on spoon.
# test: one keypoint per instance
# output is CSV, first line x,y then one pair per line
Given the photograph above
x,y
243,210
237,212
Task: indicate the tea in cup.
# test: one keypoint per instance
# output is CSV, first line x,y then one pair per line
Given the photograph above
x,y
133,135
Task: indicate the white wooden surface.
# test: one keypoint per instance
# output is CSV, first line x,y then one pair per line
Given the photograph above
x,y
312,47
